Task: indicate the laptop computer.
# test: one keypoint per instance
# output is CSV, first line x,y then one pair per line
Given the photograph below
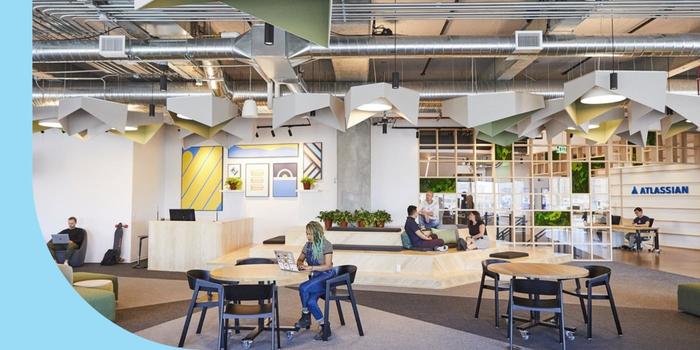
x,y
286,261
60,238
616,219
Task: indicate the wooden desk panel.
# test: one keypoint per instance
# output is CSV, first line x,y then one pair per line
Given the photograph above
x,y
185,245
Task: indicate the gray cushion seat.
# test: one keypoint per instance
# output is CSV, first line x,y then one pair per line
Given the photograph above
x,y
689,298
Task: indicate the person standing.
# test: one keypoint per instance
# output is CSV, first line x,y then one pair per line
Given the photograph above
x,y
76,235
429,209
418,238
318,254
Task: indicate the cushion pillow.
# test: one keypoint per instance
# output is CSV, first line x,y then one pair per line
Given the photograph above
x,y
449,235
405,241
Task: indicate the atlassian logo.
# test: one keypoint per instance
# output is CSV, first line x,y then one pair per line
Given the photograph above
x,y
660,190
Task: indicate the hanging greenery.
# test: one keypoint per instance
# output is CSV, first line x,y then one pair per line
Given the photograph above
x,y
438,185
579,177
651,138
552,218
504,152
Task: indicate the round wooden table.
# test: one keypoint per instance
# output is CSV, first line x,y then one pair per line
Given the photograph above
x,y
252,274
539,271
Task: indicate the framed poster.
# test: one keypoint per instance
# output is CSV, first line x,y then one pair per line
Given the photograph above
x,y
257,183
201,180
281,150
313,160
284,180
234,170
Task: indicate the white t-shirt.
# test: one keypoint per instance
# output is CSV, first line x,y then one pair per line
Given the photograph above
x,y
431,207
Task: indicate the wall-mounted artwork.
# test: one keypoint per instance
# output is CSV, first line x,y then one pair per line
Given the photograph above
x,y
234,170
257,182
313,160
202,171
284,180
264,151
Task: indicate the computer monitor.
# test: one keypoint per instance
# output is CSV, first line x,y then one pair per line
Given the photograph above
x,y
616,219
181,214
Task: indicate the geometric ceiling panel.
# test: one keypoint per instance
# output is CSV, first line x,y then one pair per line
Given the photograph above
x,y
500,125
308,19
687,106
147,127
531,124
364,101
328,109
674,124
645,87
483,108
603,132
227,134
504,138
582,114
208,110
86,116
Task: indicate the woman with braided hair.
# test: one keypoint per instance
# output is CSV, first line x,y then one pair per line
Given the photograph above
x,y
318,254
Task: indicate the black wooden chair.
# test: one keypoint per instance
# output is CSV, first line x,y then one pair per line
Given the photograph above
x,y
597,276
234,294
211,299
344,276
256,261
536,288
498,286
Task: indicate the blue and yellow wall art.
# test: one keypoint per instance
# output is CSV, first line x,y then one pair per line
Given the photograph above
x,y
202,172
313,160
281,150
284,180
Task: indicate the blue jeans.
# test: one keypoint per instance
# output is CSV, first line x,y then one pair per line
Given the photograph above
x,y
311,290
433,223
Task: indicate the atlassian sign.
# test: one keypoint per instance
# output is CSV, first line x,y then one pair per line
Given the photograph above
x,y
660,189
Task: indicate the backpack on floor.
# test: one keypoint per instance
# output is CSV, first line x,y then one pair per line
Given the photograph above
x,y
110,257
461,244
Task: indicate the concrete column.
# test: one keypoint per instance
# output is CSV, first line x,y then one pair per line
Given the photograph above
x,y
354,167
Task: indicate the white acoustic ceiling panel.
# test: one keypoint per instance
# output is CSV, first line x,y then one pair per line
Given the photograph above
x,y
91,116
404,102
479,109
208,110
328,109
645,87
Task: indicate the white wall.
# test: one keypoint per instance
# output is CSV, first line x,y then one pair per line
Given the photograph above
x,y
91,180
272,216
394,172
677,216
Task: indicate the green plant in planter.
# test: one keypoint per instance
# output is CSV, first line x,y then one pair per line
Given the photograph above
x,y
381,217
308,182
552,218
327,218
363,218
342,217
438,185
504,152
579,177
234,183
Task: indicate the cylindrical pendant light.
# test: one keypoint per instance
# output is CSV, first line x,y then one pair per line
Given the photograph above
x,y
250,109
269,34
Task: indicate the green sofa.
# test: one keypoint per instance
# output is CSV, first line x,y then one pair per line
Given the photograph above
x,y
103,301
689,298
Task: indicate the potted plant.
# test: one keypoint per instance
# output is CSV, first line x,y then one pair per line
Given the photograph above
x,y
342,217
364,218
308,182
381,217
327,218
233,183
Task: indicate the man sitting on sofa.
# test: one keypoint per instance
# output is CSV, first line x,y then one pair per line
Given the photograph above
x,y
429,212
419,239
76,235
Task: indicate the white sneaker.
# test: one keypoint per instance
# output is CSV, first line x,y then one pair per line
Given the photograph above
x,y
441,248
65,262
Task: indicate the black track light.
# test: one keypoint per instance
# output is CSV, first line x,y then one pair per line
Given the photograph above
x,y
417,134
312,114
289,131
269,34
256,134
163,83
272,132
151,110
613,81
395,80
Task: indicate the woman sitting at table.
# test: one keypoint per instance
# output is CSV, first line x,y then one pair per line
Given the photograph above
x,y
477,230
318,254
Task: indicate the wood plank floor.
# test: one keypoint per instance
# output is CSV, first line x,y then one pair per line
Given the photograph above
x,y
674,260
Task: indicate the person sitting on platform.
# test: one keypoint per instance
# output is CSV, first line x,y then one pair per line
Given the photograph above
x,y
640,220
76,235
477,230
318,254
429,212
419,238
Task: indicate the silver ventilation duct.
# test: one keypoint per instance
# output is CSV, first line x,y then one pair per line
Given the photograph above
x,y
144,93
686,45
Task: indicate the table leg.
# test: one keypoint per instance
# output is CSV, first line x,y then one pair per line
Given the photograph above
x,y
656,240
638,237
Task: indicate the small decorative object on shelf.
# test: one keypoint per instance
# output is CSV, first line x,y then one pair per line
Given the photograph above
x,y
234,183
308,182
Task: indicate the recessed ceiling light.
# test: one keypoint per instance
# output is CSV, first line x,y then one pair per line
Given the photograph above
x,y
570,128
593,126
378,105
599,96
184,117
50,123
131,128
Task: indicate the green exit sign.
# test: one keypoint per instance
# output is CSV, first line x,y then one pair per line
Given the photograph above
x,y
560,149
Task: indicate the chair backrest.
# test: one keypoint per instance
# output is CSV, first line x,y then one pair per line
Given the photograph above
x,y
651,222
539,287
485,267
256,261
194,275
248,292
349,269
598,274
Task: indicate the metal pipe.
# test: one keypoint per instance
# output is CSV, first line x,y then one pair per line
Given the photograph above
x,y
685,45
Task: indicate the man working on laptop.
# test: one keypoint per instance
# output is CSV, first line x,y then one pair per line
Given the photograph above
x,y
75,239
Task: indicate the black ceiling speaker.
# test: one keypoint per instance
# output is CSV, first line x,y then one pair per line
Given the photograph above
x,y
384,127
163,83
269,34
395,80
151,110
613,81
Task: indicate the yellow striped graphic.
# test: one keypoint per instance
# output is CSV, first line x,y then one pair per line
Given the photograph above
x,y
202,175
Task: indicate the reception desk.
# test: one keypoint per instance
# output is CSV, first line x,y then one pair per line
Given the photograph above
x,y
185,245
